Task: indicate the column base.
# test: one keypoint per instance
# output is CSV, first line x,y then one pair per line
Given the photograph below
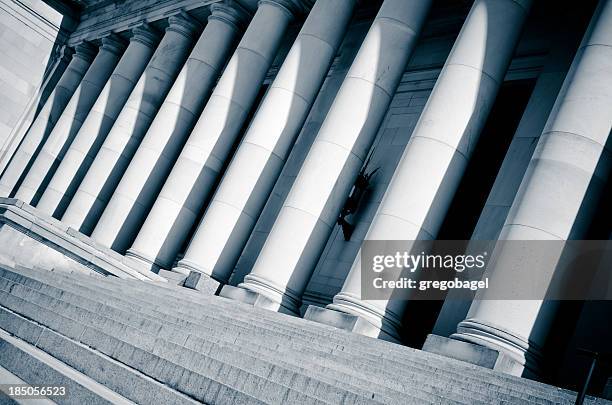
x,y
342,320
202,282
141,262
173,277
471,353
254,298
385,323
524,358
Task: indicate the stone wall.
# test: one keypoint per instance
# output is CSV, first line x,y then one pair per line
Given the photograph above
x,y
31,34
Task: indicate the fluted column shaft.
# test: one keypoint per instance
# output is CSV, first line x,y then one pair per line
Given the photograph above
x,y
99,121
298,236
556,199
256,165
430,170
201,159
131,125
40,129
70,121
160,147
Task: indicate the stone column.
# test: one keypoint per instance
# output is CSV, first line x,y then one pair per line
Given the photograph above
x,y
70,121
19,164
288,257
199,164
160,147
428,174
516,160
131,125
255,167
556,199
99,121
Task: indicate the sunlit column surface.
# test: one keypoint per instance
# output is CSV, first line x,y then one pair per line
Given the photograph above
x,y
309,213
46,118
556,199
248,182
515,162
198,166
131,125
431,167
71,119
99,122
160,147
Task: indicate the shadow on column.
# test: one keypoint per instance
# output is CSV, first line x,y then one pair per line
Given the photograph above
x,y
209,177
116,86
593,222
170,153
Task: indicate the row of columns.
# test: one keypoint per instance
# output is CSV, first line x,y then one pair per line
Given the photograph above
x,y
71,120
86,144
201,159
44,122
133,154
432,165
121,143
153,160
308,215
556,199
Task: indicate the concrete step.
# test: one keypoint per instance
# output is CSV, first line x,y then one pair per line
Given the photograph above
x,y
228,355
348,364
444,367
362,343
343,376
375,362
33,366
157,298
102,333
114,375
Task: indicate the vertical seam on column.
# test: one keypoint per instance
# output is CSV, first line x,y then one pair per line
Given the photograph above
x,y
266,60
395,21
214,69
533,227
551,132
318,218
264,148
476,69
289,91
235,207
370,82
331,47
455,149
420,227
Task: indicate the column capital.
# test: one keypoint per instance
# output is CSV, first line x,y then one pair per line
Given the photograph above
x,y
233,14
292,7
145,34
113,43
65,52
85,50
184,24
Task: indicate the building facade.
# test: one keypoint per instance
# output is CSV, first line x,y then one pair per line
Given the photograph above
x,y
247,149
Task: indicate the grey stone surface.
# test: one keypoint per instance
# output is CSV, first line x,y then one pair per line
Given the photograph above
x,y
469,352
201,282
30,238
342,320
427,379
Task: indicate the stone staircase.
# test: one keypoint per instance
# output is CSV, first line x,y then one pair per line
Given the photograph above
x,y
127,341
